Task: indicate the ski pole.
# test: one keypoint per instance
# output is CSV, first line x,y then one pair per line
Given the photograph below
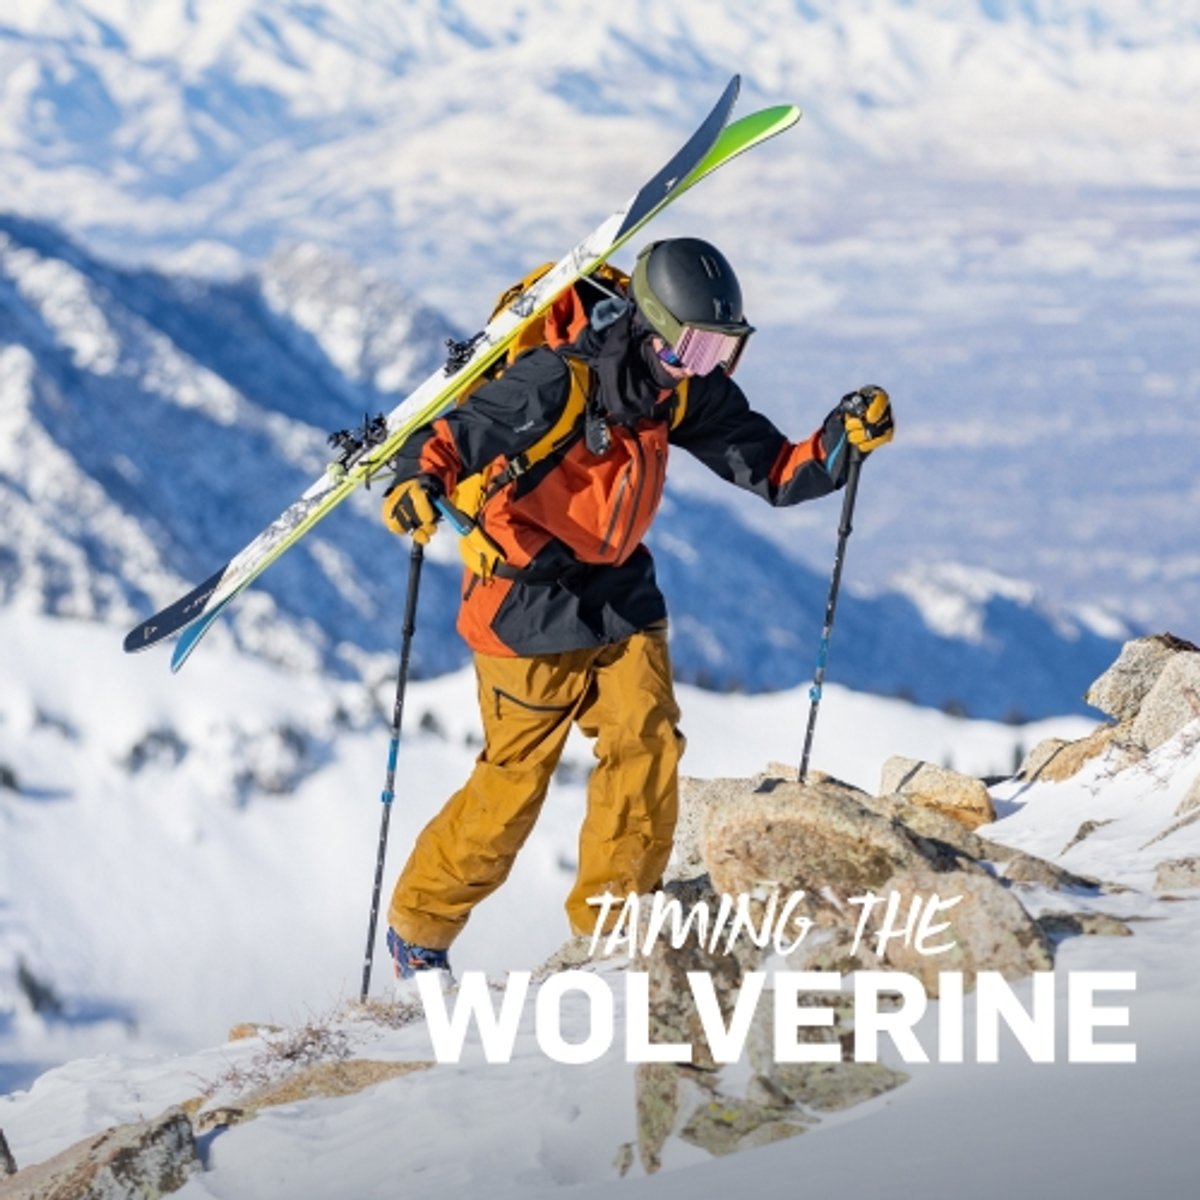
x,y
415,560
844,530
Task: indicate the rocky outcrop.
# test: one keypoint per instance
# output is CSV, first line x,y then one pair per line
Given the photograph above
x,y
128,1162
819,846
8,1164
1152,692
961,797
1122,689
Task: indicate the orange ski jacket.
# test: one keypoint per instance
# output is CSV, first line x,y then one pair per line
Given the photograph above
x,y
576,573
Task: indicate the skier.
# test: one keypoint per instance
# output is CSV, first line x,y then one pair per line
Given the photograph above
x,y
560,604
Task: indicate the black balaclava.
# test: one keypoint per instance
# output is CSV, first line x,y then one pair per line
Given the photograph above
x,y
630,375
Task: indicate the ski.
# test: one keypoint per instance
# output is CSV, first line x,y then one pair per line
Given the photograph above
x,y
714,143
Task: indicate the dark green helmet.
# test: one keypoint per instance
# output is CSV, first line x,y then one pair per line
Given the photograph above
x,y
686,281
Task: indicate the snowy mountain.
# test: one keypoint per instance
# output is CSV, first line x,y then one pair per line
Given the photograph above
x,y
989,207
158,421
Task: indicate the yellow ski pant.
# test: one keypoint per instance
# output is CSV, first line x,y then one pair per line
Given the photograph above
x,y
622,696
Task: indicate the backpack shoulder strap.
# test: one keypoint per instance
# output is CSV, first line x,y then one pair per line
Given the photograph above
x,y
679,404
561,433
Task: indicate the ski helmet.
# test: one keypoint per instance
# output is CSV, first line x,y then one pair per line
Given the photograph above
x,y
685,282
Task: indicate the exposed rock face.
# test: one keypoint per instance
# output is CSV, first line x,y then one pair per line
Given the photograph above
x,y
1120,691
127,1162
958,796
8,1164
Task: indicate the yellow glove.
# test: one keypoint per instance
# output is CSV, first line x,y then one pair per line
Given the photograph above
x,y
408,508
479,552
867,415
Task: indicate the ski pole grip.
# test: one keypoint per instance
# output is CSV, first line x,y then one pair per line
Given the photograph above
x,y
459,521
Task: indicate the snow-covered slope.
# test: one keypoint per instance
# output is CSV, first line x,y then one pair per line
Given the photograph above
x,y
175,859
164,901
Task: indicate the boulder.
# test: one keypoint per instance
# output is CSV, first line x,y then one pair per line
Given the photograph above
x,y
1172,703
819,839
1178,873
127,1162
958,796
694,797
1120,691
1055,759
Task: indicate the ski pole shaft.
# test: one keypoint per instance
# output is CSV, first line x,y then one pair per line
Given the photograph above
x,y
845,528
415,561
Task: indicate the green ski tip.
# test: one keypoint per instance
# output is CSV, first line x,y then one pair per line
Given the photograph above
x,y
743,134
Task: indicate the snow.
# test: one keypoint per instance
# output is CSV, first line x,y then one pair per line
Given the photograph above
x,y
166,903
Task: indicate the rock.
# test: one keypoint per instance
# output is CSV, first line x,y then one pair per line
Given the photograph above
x,y
1120,691
725,1124
673,1016
930,823
827,1087
249,1029
715,1122
1028,868
819,839
657,1088
8,1164
127,1162
1085,831
958,796
835,1086
1190,802
1190,819
1178,873
1061,925
1056,760
696,797
1172,703
623,1159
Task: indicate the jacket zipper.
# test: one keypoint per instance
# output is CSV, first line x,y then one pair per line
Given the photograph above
x,y
622,487
637,499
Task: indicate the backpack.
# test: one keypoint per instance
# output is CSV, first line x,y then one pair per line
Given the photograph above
x,y
567,316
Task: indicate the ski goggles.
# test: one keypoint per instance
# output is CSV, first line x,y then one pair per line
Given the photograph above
x,y
700,350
